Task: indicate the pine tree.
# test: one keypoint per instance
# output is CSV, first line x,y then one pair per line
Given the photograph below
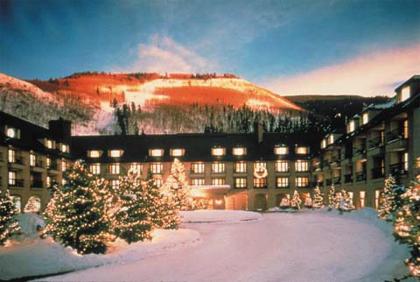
x,y
344,201
131,221
8,223
285,202
390,200
295,202
407,226
76,215
331,198
177,184
308,201
318,201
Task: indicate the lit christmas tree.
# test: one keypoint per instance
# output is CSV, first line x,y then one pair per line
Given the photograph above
x,y
8,223
76,215
177,184
130,220
308,201
318,201
331,198
344,201
407,226
295,202
390,200
285,202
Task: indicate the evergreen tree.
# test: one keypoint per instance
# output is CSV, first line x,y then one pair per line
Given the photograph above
x,y
295,202
407,226
8,223
285,202
177,185
390,200
308,201
318,201
130,221
331,198
76,215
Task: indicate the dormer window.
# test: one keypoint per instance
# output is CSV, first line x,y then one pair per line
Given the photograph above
x,y
13,132
323,143
405,93
281,150
49,144
302,150
178,152
218,152
365,118
94,153
351,126
115,153
156,152
239,151
65,148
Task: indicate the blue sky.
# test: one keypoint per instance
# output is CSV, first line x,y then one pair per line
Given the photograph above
x,y
270,42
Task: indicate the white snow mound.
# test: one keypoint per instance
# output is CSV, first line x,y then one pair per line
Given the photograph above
x,y
219,216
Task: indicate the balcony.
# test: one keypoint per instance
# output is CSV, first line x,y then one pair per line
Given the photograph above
x,y
394,134
375,143
16,183
37,184
359,150
397,169
16,160
377,172
360,176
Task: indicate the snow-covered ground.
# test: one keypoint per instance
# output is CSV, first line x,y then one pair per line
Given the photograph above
x,y
219,216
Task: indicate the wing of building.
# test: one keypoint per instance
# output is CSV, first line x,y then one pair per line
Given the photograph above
x,y
232,171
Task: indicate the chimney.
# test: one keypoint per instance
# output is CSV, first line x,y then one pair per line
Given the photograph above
x,y
60,129
259,131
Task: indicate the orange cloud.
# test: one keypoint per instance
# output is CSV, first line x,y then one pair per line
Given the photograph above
x,y
370,74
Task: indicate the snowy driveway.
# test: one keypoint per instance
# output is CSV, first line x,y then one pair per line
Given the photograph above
x,y
308,246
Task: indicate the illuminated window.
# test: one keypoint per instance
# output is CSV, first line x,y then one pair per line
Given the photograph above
x,y
282,166
177,152
323,143
218,181
218,152
377,196
282,182
156,168
405,129
115,153
331,139
48,162
94,153
49,144
156,153
197,181
95,168
158,182
240,167
136,168
115,183
217,167
302,182
239,151
281,150
302,150
12,132
405,93
351,126
65,148
405,161
63,182
32,159
197,167
301,165
260,182
362,196
114,168
48,181
12,178
260,165
63,165
365,118
17,202
240,182
11,156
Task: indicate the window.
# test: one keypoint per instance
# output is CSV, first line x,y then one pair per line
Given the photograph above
x,y
405,129
218,152
239,151
94,153
65,148
260,182
12,132
377,196
115,183
331,139
115,153
48,181
302,150
260,165
177,152
405,161
362,196
323,143
17,202
218,181
11,156
365,118
282,166
32,159
197,181
49,144
114,168
63,165
197,167
156,168
301,165
95,168
217,167
351,126
282,182
240,167
302,182
158,182
281,150
136,168
240,182
12,178
156,153
405,93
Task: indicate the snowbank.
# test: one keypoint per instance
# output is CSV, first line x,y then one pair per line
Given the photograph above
x,y
219,216
36,257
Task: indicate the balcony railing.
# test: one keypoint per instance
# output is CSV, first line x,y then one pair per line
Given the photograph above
x,y
16,183
359,150
377,172
398,169
375,142
361,176
38,163
394,134
37,184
